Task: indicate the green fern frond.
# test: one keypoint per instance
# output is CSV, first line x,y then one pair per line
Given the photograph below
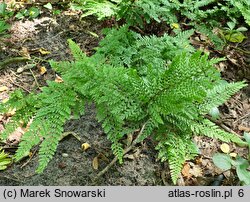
x,y
219,94
207,31
244,7
210,129
4,160
29,140
100,8
19,103
48,122
61,67
3,28
76,51
117,47
202,3
176,150
10,128
118,151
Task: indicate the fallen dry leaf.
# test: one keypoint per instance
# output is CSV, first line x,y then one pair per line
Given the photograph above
x,y
195,170
185,170
42,70
30,154
198,160
95,163
129,139
25,52
15,137
228,174
25,67
244,128
58,79
129,156
225,148
11,112
3,88
180,181
44,52
103,157
222,66
233,155
85,146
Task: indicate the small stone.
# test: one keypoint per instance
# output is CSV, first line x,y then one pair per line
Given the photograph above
x,y
65,155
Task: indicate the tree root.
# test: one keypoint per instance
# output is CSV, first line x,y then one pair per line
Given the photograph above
x,y
12,60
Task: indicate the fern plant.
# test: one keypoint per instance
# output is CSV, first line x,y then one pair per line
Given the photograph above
x,y
101,8
200,15
242,7
171,102
168,98
127,48
3,28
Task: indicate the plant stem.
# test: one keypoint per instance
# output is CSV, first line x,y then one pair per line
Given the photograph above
x,y
241,50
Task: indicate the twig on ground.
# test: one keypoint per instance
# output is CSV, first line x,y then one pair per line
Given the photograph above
x,y
32,155
9,178
126,150
65,134
246,115
35,78
243,51
14,74
230,130
19,85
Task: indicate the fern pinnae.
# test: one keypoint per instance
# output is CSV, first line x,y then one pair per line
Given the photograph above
x,y
219,94
76,51
210,129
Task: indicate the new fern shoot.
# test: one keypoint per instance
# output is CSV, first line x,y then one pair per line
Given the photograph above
x,y
168,97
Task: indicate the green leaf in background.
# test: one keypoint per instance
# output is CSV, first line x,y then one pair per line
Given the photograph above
x,y
231,25
244,8
214,113
21,14
33,12
247,137
222,161
3,27
241,29
48,6
235,37
243,175
56,12
3,7
4,160
241,170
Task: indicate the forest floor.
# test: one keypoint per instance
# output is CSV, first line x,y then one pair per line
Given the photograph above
x,y
45,38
